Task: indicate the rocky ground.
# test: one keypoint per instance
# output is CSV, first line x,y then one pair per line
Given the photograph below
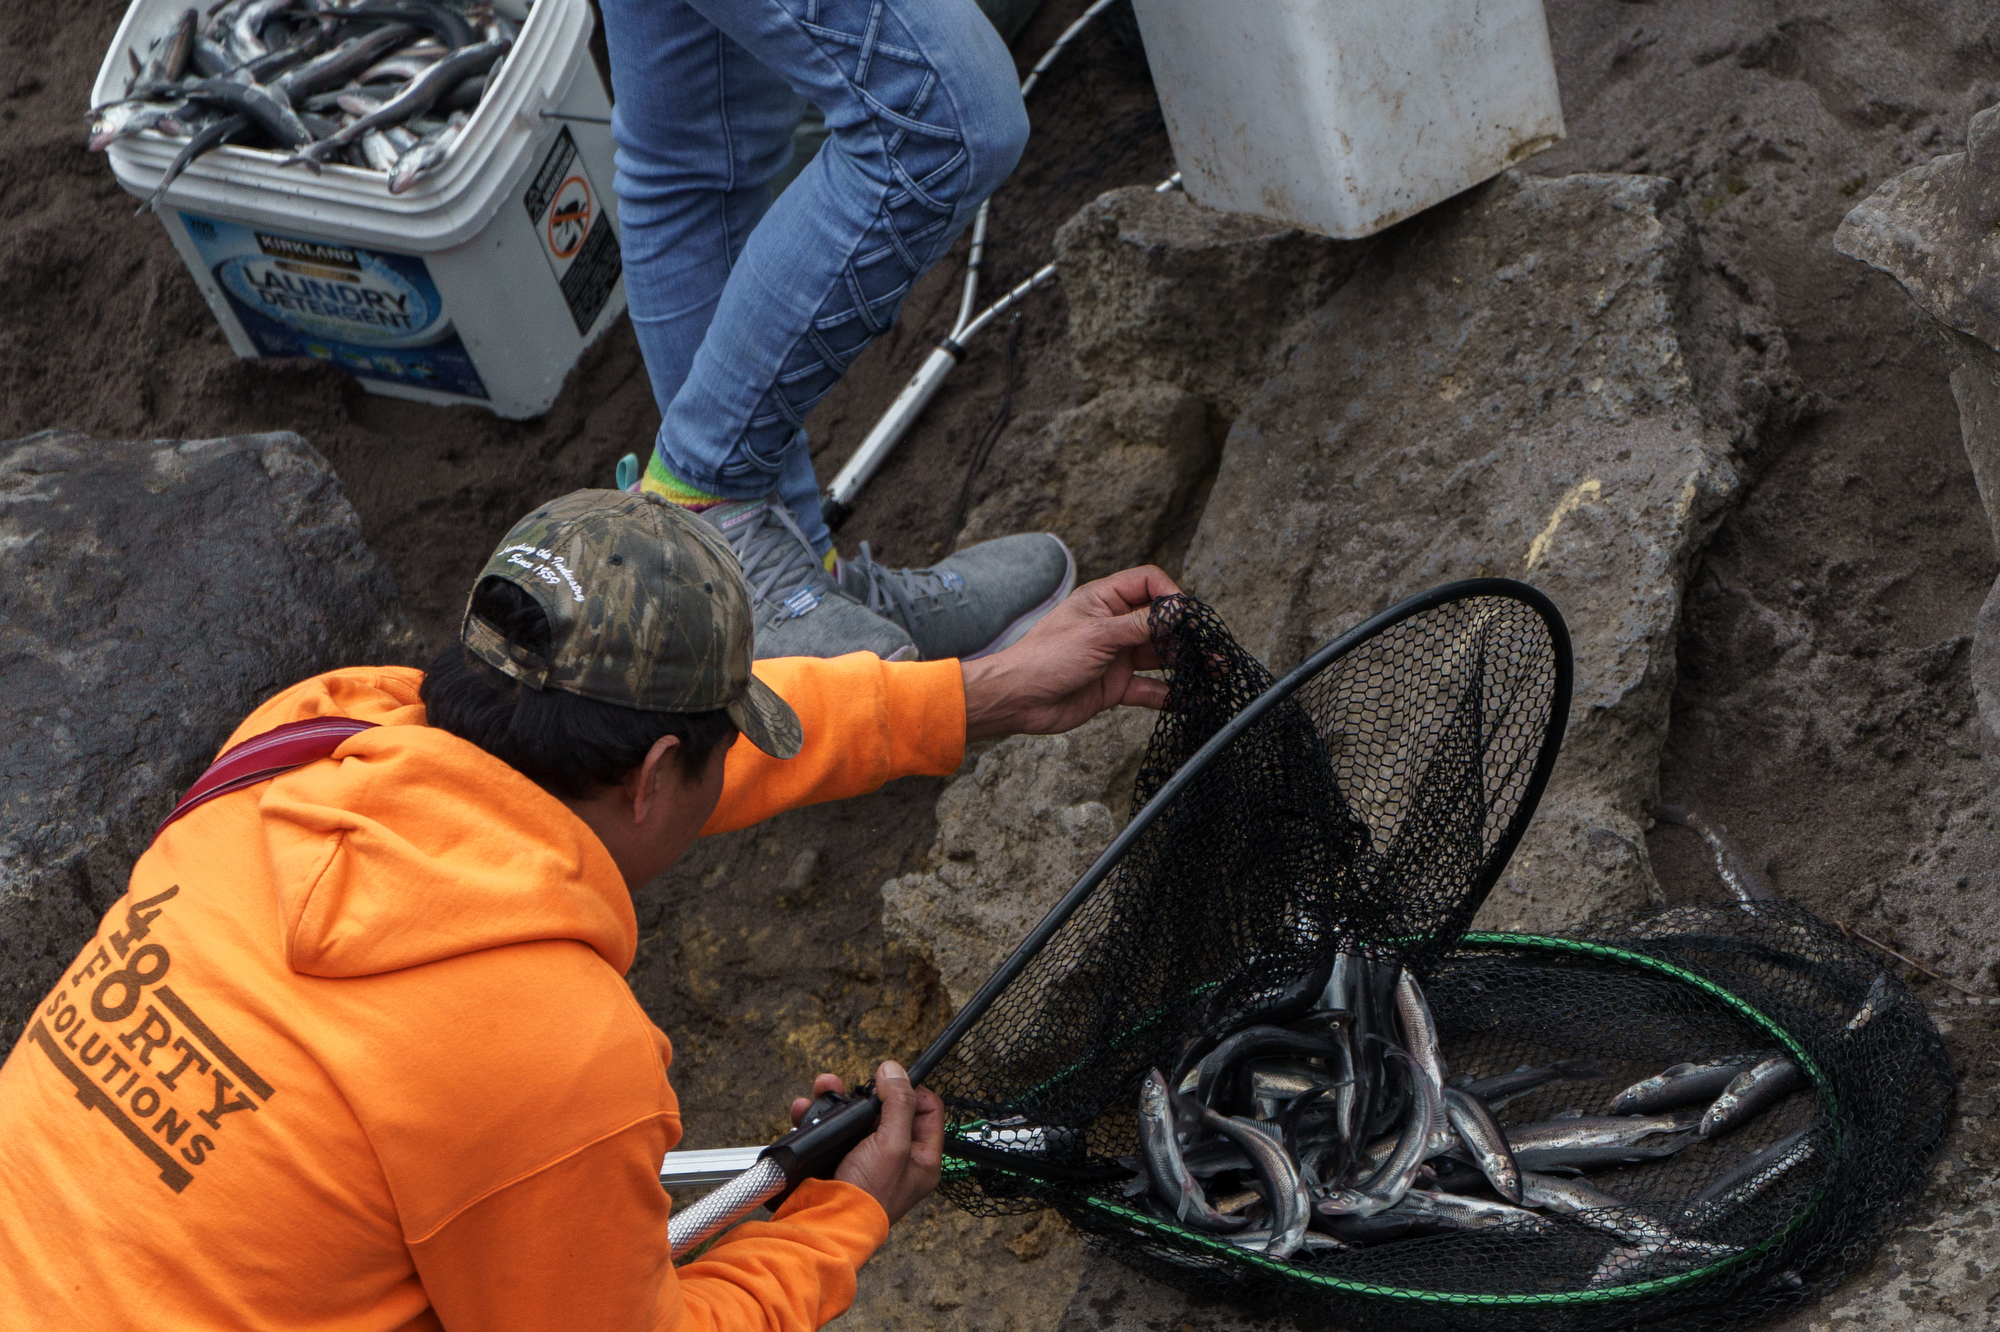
x,y
1775,582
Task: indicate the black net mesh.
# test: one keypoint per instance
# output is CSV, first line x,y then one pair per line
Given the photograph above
x,y
1372,810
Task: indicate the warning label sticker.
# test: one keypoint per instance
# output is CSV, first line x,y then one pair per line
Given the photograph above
x,y
568,214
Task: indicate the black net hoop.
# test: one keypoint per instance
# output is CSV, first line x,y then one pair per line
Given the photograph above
x,y
1369,801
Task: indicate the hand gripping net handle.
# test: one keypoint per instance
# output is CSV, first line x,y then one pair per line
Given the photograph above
x,y
701,1221
766,1180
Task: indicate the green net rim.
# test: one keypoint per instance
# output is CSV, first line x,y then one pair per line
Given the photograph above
x,y
1822,1085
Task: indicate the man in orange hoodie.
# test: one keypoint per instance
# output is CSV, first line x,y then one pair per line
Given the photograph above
x,y
356,1051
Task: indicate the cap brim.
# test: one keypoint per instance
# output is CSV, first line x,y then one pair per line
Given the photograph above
x,y
767,721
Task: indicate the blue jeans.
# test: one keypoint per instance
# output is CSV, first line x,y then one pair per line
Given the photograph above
x,y
749,311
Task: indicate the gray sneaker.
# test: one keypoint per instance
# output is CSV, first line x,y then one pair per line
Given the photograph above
x,y
970,604
799,609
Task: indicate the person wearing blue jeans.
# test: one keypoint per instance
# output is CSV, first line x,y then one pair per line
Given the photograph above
x,y
748,311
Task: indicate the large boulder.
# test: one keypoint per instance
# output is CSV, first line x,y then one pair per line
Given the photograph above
x,y
156,591
1013,835
1176,314
1932,229
1163,290
1511,384
1114,478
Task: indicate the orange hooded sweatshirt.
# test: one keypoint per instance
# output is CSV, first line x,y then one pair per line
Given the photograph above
x,y
356,1051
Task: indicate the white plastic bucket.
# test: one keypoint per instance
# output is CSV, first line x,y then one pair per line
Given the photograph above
x,y
482,283
1346,116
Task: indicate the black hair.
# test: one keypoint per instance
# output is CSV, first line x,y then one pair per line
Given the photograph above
x,y
565,743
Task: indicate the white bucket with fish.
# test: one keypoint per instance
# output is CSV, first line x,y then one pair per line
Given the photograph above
x,y
482,283
1346,116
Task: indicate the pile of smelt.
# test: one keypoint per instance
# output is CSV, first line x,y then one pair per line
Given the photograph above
x,y
1327,1120
383,85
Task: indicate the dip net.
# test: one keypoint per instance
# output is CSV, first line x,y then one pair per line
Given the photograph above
x,y
1369,802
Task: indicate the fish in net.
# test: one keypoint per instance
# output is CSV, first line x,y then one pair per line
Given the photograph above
x,y
1365,806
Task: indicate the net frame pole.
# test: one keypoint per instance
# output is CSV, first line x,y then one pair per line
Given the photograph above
x,y
1466,589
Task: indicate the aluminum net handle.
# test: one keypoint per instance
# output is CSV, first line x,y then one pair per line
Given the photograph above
x,y
691,1227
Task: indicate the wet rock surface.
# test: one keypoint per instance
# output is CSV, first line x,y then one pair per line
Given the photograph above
x,y
1505,387
156,592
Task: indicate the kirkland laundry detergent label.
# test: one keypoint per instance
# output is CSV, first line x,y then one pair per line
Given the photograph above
x,y
373,314
569,215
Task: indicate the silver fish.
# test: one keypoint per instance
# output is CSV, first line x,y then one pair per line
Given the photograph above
x,y
1283,1079
1367,1229
398,68
246,30
1683,1084
1753,1178
1215,1073
451,27
1160,1148
210,58
1313,1241
210,136
1742,878
1628,1264
1751,1094
1284,1187
169,59
1567,1196
269,111
1878,999
1461,1213
1413,1016
414,99
1486,1140
1340,982
426,156
1594,1208
1584,1143
381,150
1392,1179
121,120
335,67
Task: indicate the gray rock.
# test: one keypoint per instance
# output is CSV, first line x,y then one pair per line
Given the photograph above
x,y
1935,1274
1932,228
1507,386
156,592
1113,478
1013,835
1162,289
1113,1298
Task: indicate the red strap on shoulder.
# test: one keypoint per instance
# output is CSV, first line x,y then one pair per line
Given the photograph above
x,y
263,757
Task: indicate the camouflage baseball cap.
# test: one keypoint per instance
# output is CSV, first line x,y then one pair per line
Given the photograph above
x,y
648,610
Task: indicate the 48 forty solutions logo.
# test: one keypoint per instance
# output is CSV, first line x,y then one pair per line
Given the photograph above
x,y
137,1054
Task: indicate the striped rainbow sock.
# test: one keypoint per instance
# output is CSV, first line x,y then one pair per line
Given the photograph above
x,y
659,481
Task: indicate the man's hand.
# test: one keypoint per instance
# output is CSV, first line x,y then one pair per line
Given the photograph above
x,y
898,1163
1079,660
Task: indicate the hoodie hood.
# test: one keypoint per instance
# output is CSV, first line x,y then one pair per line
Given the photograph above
x,y
410,846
